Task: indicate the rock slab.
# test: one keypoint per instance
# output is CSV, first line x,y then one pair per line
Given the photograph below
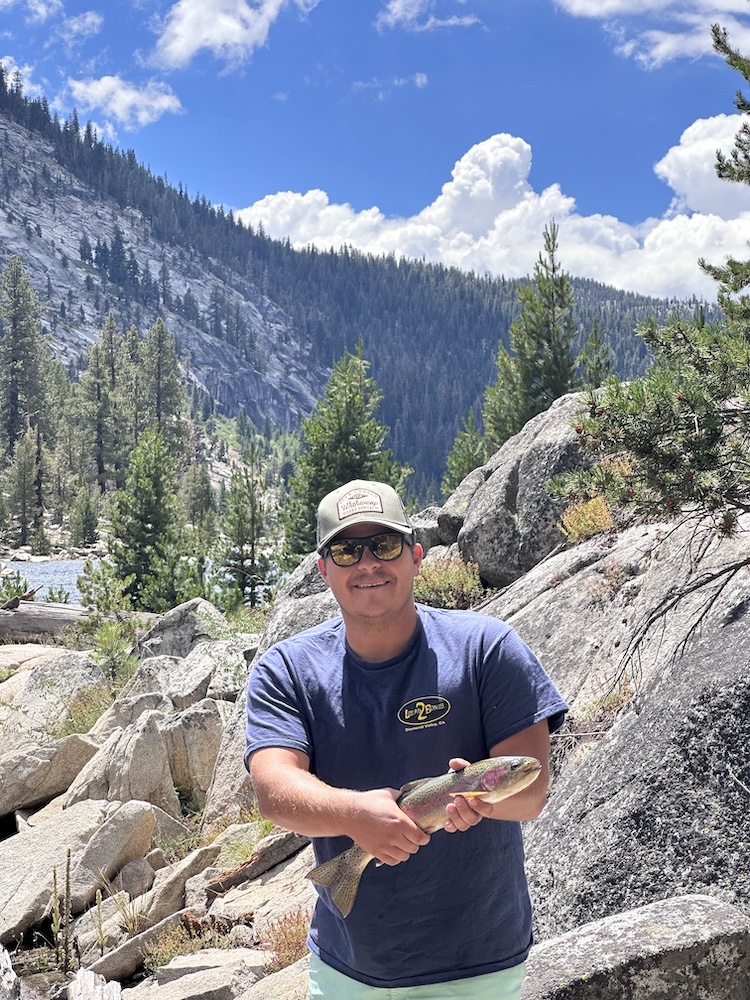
x,y
689,946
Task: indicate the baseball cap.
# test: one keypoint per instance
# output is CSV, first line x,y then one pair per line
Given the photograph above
x,y
360,502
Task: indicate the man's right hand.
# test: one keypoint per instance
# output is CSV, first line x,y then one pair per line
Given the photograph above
x,y
384,830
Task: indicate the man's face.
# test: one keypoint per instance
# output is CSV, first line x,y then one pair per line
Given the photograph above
x,y
372,588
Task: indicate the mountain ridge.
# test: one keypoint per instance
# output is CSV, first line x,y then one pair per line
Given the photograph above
x,y
45,231
257,322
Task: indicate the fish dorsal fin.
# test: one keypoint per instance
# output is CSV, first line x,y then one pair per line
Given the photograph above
x,y
411,785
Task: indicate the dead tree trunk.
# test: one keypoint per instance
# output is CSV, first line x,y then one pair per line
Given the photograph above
x,y
32,618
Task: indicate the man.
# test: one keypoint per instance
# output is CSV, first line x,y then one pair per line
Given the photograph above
x,y
343,714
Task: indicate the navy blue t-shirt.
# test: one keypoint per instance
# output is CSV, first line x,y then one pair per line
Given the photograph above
x,y
460,906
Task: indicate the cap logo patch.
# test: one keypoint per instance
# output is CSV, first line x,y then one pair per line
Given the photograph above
x,y
359,501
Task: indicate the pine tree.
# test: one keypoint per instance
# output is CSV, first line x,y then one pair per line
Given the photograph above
x,y
734,275
143,518
4,516
117,362
197,499
39,484
23,356
468,453
96,414
117,265
677,441
540,365
342,441
165,288
246,560
677,438
595,359
164,394
21,486
84,518
132,401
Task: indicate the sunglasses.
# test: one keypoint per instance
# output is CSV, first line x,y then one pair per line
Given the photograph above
x,y
386,546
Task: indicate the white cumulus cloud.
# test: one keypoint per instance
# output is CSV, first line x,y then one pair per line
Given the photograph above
x,y
489,219
655,32
130,106
230,29
688,169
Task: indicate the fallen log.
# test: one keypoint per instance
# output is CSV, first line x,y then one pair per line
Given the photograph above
x,y
39,618
269,852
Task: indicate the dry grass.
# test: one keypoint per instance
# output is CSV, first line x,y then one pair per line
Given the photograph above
x,y
286,939
585,519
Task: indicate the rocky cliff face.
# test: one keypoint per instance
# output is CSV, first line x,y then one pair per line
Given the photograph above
x,y
45,213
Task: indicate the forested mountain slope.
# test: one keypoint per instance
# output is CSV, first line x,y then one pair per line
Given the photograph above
x,y
257,322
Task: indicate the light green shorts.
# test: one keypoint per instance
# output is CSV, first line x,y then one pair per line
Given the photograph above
x,y
332,985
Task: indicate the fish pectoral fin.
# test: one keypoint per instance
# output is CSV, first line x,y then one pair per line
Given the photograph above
x,y
470,795
341,876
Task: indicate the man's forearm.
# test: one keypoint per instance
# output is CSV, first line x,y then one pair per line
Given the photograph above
x,y
294,798
302,802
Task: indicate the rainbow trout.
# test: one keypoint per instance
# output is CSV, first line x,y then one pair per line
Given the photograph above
x,y
424,801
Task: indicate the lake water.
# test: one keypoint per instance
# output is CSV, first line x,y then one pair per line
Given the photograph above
x,y
50,573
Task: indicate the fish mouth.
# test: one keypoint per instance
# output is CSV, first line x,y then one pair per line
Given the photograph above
x,y
530,767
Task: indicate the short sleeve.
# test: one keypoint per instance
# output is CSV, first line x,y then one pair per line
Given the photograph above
x,y
515,690
274,717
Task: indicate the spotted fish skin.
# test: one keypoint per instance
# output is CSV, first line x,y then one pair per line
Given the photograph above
x,y
424,801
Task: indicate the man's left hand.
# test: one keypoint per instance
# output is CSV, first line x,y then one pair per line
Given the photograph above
x,y
462,814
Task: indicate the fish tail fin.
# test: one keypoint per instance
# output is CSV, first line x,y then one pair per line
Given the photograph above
x,y
341,876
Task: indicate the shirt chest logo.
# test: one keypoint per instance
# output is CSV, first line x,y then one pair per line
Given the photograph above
x,y
421,713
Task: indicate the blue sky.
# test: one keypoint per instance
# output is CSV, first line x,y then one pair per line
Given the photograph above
x,y
447,129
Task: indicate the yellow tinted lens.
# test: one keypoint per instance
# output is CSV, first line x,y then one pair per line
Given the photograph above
x,y
387,547
346,552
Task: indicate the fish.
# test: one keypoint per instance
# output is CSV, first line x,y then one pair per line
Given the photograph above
x,y
424,801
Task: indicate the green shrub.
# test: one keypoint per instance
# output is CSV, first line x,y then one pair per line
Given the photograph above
x,y
585,519
247,619
84,518
449,583
12,584
113,645
101,588
84,710
40,543
240,847
57,595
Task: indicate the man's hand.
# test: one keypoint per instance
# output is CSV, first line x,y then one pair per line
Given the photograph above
x,y
292,797
384,830
460,813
